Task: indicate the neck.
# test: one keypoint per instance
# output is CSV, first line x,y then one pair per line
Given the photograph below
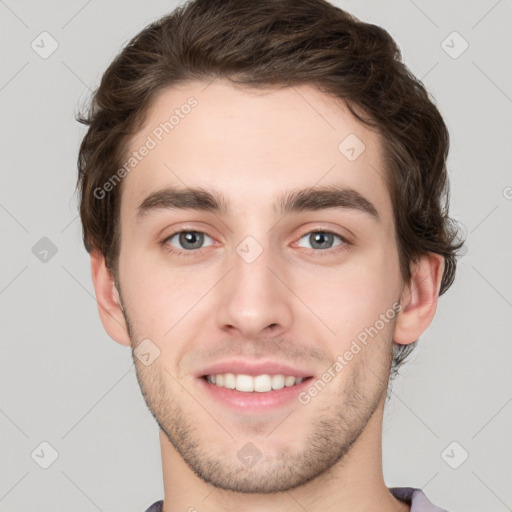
x,y
354,484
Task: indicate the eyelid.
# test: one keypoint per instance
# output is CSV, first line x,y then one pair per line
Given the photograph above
x,y
346,242
344,245
183,252
169,232
323,229
337,229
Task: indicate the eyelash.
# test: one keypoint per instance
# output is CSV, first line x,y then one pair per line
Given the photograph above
x,y
195,252
182,252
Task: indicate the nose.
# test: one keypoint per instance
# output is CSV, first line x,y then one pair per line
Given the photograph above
x,y
254,298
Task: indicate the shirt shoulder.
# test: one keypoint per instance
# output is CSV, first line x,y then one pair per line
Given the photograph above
x,y
416,498
156,507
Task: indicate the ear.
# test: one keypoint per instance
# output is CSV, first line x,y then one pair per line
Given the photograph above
x,y
107,297
419,299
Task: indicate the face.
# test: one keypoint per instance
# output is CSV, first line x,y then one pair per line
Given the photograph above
x,y
254,279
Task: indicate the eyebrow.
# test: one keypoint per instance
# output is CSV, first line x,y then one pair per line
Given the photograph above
x,y
307,199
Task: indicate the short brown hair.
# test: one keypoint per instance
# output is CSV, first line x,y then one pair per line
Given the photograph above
x,y
277,43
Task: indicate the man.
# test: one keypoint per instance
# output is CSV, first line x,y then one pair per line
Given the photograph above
x,y
263,196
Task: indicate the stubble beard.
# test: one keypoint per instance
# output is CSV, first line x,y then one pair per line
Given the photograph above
x,y
332,433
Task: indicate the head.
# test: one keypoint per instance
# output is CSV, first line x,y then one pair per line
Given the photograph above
x,y
274,126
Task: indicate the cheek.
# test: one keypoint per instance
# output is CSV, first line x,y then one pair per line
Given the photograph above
x,y
346,296
159,297
351,296
147,299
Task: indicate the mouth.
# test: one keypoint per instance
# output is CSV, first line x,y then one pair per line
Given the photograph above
x,y
249,386
253,394
263,383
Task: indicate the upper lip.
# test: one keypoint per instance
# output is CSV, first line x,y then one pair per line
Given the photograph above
x,y
245,367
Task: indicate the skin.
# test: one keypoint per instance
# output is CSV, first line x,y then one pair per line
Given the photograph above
x,y
295,303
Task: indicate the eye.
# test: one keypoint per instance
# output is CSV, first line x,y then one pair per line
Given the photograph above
x,y
189,241
323,240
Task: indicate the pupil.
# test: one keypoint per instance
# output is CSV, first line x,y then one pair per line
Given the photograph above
x,y
188,238
319,237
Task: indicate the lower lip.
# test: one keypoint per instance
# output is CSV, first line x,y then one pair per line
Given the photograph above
x,y
254,401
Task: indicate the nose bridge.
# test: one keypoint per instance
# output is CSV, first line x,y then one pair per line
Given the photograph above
x,y
253,298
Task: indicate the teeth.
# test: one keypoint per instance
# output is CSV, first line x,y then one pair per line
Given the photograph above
x,y
248,383
229,381
278,381
289,381
244,383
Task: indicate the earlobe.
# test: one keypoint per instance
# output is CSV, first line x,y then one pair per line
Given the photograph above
x,y
108,300
419,300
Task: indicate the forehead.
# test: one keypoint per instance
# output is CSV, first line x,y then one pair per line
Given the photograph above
x,y
252,145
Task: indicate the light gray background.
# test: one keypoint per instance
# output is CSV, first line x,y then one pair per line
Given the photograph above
x,y
65,382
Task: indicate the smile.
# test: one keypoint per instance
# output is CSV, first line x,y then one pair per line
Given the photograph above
x,y
248,383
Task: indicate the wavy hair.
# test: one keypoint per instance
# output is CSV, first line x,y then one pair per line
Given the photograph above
x,y
277,43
